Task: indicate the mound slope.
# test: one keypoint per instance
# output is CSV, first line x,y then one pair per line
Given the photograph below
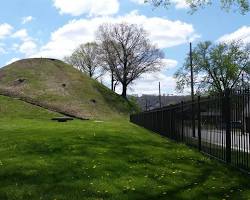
x,y
14,109
58,86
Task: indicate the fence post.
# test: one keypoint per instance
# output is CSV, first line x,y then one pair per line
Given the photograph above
x,y
199,123
227,111
193,118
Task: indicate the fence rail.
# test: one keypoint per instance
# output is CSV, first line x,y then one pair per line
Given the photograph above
x,y
217,125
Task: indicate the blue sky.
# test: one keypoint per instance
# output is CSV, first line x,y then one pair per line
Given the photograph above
x,y
53,28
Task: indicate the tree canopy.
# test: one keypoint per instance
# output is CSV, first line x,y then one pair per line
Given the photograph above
x,y
243,6
216,67
85,58
127,51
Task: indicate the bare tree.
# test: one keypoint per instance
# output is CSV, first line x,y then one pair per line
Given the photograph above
x,y
85,58
127,51
108,61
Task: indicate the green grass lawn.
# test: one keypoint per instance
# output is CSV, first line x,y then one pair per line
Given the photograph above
x,y
42,159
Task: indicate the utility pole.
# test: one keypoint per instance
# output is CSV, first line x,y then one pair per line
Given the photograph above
x,y
160,94
192,89
192,72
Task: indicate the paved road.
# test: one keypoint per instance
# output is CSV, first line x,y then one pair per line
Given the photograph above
x,y
239,141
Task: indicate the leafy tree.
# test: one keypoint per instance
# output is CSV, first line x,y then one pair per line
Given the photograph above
x,y
85,58
242,5
216,67
127,51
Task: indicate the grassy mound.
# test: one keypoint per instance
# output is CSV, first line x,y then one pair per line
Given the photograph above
x,y
57,86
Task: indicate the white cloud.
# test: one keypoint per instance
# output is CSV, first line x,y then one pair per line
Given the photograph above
x,y
14,47
90,7
2,50
148,83
21,34
27,19
28,46
169,63
138,1
242,34
12,60
165,33
5,30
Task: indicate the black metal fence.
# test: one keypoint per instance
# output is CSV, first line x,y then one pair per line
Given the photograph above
x,y
216,125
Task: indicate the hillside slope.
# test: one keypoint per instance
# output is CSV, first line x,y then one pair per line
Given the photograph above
x,y
58,86
14,109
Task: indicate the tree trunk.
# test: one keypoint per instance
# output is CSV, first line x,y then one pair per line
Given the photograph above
x,y
116,83
112,80
124,91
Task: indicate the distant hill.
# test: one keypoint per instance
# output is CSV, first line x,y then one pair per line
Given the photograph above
x,y
57,86
153,101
